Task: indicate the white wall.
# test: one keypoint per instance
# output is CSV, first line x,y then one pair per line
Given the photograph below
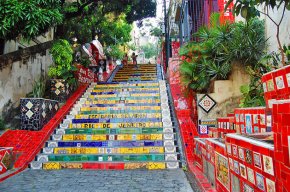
x,y
16,80
271,29
13,45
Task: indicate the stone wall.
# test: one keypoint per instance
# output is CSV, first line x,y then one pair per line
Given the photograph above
x,y
16,79
226,94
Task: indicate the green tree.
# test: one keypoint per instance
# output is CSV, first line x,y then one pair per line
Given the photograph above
x,y
249,9
150,50
28,18
32,18
218,47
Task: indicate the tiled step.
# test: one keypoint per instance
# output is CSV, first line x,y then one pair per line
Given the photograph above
x,y
121,99
110,115
125,85
109,155
120,107
118,101
129,92
120,125
120,89
119,137
117,120
91,131
102,149
106,165
140,143
117,125
95,112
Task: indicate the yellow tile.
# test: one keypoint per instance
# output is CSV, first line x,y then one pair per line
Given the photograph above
x,y
67,137
153,165
51,165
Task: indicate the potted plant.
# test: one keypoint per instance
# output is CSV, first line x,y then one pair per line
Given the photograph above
x,y
62,72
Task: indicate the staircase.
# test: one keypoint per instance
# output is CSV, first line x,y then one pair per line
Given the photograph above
x,y
148,72
119,125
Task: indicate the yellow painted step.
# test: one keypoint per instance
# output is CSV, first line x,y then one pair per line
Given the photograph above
x,y
119,116
116,125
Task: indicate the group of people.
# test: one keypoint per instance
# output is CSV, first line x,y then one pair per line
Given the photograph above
x,y
134,59
94,51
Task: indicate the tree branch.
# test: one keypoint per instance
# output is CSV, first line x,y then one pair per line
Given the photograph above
x,y
268,17
77,13
283,13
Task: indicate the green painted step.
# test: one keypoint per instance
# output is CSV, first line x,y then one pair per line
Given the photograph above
x,y
114,157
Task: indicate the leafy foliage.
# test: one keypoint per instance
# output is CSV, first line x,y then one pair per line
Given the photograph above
x,y
38,89
286,50
150,50
253,94
2,124
61,52
211,57
252,8
28,18
32,18
115,52
249,8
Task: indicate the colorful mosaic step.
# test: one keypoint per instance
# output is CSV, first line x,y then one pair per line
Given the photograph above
x,y
110,131
121,137
128,124
108,155
104,165
119,116
140,73
52,144
103,150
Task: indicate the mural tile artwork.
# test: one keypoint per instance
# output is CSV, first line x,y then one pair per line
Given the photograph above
x,y
206,103
60,90
222,170
36,112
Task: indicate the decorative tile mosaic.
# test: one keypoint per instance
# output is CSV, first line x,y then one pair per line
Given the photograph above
x,y
270,185
270,85
268,164
36,112
249,155
251,176
222,170
203,129
236,167
257,160
280,82
260,181
247,188
243,171
60,90
206,103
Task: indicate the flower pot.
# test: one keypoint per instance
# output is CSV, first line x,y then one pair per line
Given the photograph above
x,y
36,112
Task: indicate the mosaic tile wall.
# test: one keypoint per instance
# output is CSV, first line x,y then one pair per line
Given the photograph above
x,y
60,90
36,112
